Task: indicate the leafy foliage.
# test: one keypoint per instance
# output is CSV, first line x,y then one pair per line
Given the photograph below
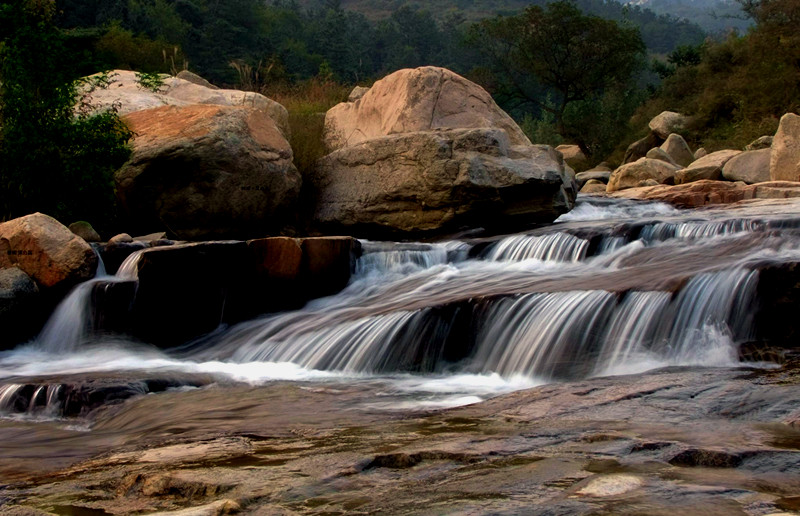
x,y
585,64
53,158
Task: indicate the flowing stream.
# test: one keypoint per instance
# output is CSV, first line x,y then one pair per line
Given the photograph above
x,y
613,288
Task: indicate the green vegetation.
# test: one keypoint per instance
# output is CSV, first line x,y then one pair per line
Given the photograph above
x,y
736,88
54,157
583,66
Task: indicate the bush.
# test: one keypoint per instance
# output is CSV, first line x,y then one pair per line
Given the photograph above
x,y
54,157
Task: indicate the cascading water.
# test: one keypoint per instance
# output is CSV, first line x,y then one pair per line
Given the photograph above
x,y
636,287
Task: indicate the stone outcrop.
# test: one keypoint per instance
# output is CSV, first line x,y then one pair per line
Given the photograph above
x,y
633,174
126,94
785,160
426,150
411,100
749,166
668,122
707,167
677,149
207,171
706,192
46,251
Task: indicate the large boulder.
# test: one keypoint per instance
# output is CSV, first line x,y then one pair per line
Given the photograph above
x,y
661,154
46,250
411,100
437,180
749,166
707,167
85,230
207,171
126,94
425,151
785,161
597,173
632,175
668,122
677,149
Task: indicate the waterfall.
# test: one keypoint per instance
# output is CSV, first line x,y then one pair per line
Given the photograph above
x,y
559,247
70,325
379,257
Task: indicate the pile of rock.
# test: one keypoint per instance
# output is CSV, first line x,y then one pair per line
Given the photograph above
x,y
661,166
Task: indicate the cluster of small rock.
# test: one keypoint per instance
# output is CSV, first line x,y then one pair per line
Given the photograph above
x,y
662,166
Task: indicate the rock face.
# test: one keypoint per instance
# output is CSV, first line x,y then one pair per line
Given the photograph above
x,y
677,149
435,180
668,122
785,161
633,174
205,171
426,150
127,95
660,154
692,195
749,166
411,100
707,167
46,251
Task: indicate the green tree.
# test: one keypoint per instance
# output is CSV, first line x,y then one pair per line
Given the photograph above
x,y
54,157
559,49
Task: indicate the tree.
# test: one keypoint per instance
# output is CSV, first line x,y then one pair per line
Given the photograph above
x,y
53,158
560,50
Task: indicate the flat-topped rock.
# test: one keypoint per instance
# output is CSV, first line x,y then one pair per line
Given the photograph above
x,y
631,175
707,167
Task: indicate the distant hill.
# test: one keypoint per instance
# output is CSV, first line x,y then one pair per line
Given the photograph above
x,y
662,32
714,16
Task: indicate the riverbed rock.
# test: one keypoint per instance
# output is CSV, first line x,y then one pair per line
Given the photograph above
x,y
660,154
639,148
85,230
677,149
428,181
785,160
19,300
599,174
707,167
46,250
207,171
668,122
764,142
126,94
692,195
749,166
631,174
421,99
573,155
593,187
